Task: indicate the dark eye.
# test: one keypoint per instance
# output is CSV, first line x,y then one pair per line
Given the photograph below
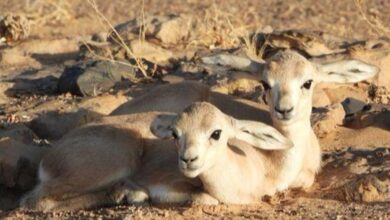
x,y
174,134
307,84
216,134
266,86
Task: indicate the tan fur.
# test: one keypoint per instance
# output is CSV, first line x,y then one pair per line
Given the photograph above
x,y
294,168
226,162
193,92
90,165
285,72
175,97
287,65
85,160
117,159
18,163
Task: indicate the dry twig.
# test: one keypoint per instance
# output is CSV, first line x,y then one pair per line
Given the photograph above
x,y
375,23
119,38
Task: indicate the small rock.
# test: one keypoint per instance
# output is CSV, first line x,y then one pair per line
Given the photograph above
x,y
367,188
169,29
379,94
96,78
91,49
368,115
189,67
4,88
100,37
358,165
174,30
352,106
151,52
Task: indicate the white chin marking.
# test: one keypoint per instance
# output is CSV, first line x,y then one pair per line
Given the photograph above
x,y
191,173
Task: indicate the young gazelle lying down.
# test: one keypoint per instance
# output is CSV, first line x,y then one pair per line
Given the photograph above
x,y
288,79
214,158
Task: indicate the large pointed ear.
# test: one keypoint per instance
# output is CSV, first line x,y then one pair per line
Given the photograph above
x,y
346,71
260,135
162,125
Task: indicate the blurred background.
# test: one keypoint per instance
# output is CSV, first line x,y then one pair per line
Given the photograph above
x,y
350,18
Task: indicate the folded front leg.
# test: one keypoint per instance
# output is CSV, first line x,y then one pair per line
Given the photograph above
x,y
203,198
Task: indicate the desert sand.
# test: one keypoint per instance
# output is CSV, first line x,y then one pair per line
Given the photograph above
x,y
38,104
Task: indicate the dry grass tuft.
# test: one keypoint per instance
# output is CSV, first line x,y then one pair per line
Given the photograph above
x,y
104,20
14,28
217,29
372,20
142,28
254,49
49,12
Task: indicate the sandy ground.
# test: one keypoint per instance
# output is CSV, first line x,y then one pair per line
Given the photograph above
x,y
356,158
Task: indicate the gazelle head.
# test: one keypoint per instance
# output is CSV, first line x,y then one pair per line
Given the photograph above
x,y
202,133
288,79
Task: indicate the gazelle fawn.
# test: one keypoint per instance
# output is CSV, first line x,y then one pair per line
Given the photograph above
x,y
288,79
151,165
118,158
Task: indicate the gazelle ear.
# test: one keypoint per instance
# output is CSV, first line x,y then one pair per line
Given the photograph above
x,y
162,125
260,135
235,62
346,71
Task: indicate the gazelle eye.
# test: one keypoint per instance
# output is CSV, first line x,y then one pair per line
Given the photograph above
x,y
307,84
266,86
216,134
175,134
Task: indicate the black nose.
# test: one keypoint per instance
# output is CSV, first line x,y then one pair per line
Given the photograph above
x,y
284,111
188,160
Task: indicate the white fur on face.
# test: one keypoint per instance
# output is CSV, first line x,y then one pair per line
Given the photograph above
x,y
206,148
286,91
196,141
